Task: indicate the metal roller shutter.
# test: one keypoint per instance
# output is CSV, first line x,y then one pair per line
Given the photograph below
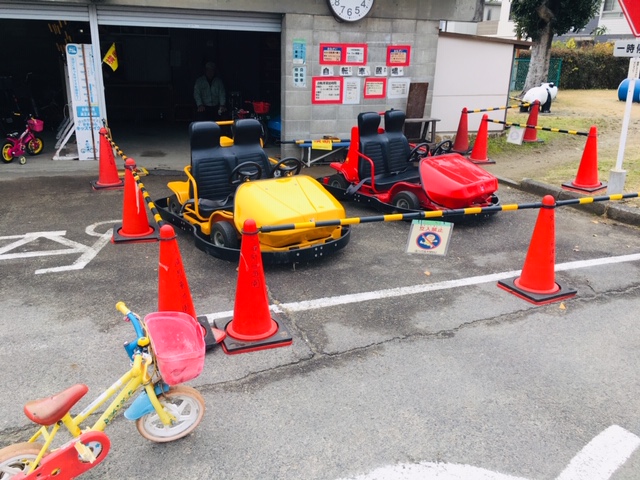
x,y
183,18
43,11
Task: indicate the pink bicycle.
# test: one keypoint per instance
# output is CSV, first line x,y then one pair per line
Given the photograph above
x,y
17,144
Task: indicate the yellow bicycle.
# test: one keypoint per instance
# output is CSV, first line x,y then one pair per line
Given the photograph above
x,y
168,350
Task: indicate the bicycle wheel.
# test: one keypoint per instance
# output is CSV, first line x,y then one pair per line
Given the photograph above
x,y
6,152
17,458
265,133
185,404
35,146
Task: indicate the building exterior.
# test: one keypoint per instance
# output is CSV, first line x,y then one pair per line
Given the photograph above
x,y
326,70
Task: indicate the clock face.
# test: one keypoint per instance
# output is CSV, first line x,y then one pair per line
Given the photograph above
x,y
350,10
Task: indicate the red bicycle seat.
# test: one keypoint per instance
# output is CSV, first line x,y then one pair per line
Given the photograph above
x,y
47,411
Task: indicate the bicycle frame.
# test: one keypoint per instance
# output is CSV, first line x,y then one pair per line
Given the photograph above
x,y
123,389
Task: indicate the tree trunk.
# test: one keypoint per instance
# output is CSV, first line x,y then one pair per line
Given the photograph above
x,y
540,56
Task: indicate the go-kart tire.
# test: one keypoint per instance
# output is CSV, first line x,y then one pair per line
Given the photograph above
x,y
223,234
6,156
338,181
406,200
174,205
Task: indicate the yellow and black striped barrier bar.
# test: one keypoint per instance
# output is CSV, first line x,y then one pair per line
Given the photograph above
x,y
147,198
115,147
444,214
546,129
493,109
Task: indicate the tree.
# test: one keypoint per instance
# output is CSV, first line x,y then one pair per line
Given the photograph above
x,y
540,20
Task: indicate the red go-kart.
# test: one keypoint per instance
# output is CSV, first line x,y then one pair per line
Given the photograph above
x,y
384,170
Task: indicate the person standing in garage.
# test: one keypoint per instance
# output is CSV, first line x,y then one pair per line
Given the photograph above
x,y
209,94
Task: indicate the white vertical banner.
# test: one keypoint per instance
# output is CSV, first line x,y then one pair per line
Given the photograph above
x,y
84,100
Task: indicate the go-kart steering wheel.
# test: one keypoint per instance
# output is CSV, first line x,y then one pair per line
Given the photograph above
x,y
443,147
245,172
419,151
281,169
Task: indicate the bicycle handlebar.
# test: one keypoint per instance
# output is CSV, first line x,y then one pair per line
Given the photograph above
x,y
135,321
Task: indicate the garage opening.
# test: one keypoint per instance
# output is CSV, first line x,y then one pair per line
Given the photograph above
x,y
159,62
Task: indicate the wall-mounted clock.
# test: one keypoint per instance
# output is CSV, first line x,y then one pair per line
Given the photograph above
x,y
350,10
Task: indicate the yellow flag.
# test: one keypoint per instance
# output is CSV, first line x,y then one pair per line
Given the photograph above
x,y
111,57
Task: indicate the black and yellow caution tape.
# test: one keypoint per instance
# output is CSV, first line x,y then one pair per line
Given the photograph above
x,y
546,129
443,214
147,198
492,109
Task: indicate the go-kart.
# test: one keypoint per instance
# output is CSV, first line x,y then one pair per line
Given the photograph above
x,y
382,169
227,185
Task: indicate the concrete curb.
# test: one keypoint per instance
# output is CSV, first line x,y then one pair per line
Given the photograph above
x,y
613,210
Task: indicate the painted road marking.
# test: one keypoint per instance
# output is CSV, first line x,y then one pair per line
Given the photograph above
x,y
428,287
87,253
598,460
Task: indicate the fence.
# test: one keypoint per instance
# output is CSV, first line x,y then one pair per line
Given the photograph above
x,y
521,68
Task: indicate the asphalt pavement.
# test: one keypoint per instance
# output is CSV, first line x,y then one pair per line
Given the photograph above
x,y
401,364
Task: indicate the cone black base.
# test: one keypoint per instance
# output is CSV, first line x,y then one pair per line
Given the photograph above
x,y
115,186
488,161
231,346
536,298
572,187
209,338
117,237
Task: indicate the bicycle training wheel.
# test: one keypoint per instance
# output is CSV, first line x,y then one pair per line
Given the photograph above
x,y
6,152
35,146
17,458
185,404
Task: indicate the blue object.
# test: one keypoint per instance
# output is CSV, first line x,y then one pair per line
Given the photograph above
x,y
275,128
142,405
623,89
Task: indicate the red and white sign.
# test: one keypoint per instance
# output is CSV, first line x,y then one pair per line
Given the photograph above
x,y
631,9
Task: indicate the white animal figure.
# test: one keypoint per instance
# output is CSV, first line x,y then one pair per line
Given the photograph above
x,y
545,93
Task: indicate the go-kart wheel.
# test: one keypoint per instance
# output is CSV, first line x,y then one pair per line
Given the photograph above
x,y
174,205
286,166
406,200
23,160
223,234
338,181
443,147
35,146
245,172
6,152
419,151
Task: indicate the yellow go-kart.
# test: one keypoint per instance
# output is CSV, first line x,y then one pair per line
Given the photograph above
x,y
230,181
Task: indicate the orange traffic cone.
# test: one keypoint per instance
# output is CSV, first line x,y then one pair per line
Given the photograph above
x,y
479,153
536,283
587,177
108,178
174,294
135,225
461,143
253,326
531,134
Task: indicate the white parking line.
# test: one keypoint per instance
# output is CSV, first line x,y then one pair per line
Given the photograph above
x,y
427,287
598,460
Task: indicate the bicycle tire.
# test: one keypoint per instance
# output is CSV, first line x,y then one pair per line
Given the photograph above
x,y
35,146
17,458
6,156
183,402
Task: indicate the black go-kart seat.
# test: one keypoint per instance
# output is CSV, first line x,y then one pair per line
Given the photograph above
x,y
247,146
373,145
398,147
211,166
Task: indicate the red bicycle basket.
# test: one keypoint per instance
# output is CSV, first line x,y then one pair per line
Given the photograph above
x,y
35,124
261,107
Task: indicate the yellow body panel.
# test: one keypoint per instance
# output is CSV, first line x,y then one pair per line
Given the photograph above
x,y
288,200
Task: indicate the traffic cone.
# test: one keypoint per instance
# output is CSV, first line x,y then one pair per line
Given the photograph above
x,y
174,294
253,326
461,141
479,152
537,284
108,178
135,225
587,177
531,134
